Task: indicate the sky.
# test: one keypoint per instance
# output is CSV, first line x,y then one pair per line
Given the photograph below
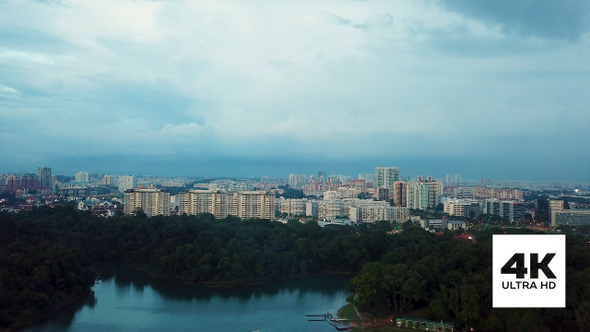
x,y
484,89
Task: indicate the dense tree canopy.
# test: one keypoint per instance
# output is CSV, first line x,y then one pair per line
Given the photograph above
x,y
43,263
452,279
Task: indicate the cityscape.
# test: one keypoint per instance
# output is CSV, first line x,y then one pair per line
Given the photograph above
x,y
385,195
348,165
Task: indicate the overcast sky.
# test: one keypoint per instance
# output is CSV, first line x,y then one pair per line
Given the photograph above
x,y
486,89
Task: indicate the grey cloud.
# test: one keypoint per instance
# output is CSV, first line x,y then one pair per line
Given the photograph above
x,y
460,41
555,19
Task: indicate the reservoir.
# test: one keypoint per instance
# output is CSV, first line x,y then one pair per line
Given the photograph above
x,y
127,300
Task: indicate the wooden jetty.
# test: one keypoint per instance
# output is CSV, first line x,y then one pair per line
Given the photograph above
x,y
328,317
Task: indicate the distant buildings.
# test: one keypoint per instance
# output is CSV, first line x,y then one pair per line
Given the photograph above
x,y
44,174
244,204
450,179
385,177
424,194
357,210
462,208
511,210
297,181
573,217
400,193
126,182
82,177
108,180
152,201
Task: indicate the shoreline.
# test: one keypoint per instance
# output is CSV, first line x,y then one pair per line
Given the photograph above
x,y
229,284
77,300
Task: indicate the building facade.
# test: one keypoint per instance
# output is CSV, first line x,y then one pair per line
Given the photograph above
x,y
511,210
151,201
386,177
244,204
44,174
400,193
573,217
82,177
126,182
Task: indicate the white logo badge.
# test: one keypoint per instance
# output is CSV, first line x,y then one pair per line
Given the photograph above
x,y
528,271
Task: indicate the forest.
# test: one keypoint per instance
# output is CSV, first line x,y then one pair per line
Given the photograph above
x,y
46,262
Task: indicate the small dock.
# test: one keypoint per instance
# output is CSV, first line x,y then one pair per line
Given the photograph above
x,y
328,317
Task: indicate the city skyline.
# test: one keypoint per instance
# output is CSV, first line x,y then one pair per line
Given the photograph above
x,y
227,88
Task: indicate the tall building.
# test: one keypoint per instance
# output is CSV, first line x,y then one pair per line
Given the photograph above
x,y
194,202
510,210
555,206
152,201
424,194
244,204
400,193
108,180
126,182
253,205
385,177
12,182
297,181
44,175
82,177
458,179
449,179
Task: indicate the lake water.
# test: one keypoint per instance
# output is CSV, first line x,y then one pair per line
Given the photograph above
x,y
127,300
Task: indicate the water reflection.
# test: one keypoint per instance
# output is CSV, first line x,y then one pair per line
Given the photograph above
x,y
127,278
128,300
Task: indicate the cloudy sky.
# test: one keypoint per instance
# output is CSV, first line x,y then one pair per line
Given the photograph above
x,y
487,89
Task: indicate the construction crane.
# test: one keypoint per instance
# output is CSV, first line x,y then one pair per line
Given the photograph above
x,y
487,223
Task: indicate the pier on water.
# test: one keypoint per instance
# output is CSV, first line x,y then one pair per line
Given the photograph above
x,y
328,317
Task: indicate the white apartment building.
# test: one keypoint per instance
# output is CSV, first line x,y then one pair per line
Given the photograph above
x,y
424,194
108,180
292,206
358,210
253,204
152,201
82,177
459,207
244,205
297,181
385,177
194,202
126,182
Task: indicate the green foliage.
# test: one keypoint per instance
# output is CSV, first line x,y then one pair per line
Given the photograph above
x,y
43,263
293,193
39,271
452,279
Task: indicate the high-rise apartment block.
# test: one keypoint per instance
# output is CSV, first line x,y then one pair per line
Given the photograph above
x,y
244,204
511,210
297,181
424,194
400,193
108,180
456,179
385,177
82,177
194,202
126,182
151,201
44,175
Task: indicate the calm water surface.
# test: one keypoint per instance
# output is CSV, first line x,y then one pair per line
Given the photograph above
x,y
127,300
